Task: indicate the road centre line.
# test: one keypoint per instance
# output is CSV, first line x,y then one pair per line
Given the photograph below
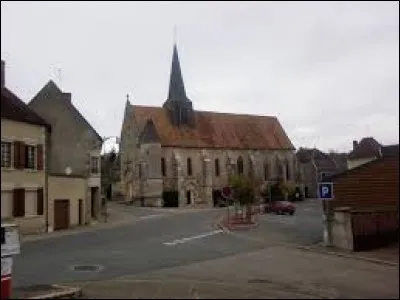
x,y
184,240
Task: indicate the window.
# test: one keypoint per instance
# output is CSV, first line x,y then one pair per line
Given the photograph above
x,y
5,155
287,171
3,235
163,170
30,162
189,167
266,171
217,167
139,170
240,165
323,175
94,165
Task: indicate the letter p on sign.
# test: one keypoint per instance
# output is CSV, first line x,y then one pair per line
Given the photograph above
x,y
325,190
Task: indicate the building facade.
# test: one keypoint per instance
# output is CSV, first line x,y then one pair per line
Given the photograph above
x,y
74,160
315,165
24,177
173,155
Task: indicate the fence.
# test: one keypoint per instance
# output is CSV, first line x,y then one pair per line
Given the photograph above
x,y
374,229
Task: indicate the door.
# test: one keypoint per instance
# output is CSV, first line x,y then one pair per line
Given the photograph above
x,y
188,197
80,212
61,214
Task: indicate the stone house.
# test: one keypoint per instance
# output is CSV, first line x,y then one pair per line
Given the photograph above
x,y
315,165
24,178
364,213
74,160
366,150
176,156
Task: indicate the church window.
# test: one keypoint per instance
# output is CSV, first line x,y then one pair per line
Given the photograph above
x,y
189,167
266,171
287,171
217,167
163,170
240,165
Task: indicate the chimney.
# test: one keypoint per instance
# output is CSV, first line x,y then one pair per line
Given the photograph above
x,y
355,144
3,74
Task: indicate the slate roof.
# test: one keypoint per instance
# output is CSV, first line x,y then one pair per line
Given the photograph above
x,y
15,109
52,90
366,148
216,130
390,150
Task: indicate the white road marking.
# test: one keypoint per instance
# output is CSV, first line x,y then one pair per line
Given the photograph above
x,y
184,240
150,216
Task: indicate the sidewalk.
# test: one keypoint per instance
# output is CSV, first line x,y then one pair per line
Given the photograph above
x,y
117,216
262,232
274,272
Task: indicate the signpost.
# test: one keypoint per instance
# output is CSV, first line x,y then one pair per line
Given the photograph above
x,y
325,193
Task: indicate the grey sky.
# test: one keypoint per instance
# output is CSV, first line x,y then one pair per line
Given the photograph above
x,y
329,71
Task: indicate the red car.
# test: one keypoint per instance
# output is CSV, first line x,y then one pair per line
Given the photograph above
x,y
280,207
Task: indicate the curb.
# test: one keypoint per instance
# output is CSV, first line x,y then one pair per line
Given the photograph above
x,y
347,255
70,292
314,248
219,225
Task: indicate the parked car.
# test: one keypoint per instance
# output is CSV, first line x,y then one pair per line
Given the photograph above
x,y
280,207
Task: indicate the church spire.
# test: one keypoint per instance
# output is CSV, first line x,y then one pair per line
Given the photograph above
x,y
176,86
178,106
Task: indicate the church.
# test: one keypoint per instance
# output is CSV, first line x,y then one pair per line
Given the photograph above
x,y
176,156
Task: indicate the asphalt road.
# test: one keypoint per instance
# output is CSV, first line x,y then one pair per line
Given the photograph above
x,y
305,227
151,244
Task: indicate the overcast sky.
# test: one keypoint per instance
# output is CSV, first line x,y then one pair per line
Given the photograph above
x,y
329,71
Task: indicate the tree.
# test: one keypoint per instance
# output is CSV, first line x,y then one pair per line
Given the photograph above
x,y
243,191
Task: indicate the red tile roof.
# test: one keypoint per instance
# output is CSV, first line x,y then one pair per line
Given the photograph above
x,y
216,130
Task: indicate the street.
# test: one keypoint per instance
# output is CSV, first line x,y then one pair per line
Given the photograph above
x,y
184,249
131,248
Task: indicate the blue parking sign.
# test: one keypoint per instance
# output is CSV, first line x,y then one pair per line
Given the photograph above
x,y
325,190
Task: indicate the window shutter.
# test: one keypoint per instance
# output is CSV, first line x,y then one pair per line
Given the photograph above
x,y
15,202
19,202
40,207
16,154
39,157
22,150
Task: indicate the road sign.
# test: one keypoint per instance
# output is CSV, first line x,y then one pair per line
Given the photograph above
x,y
227,192
325,190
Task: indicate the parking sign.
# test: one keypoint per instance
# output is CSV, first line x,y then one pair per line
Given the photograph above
x,y
325,190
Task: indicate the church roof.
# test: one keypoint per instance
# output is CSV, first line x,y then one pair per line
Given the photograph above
x,y
216,130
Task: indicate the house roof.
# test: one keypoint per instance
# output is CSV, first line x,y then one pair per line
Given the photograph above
x,y
390,150
216,130
372,185
367,147
51,89
15,109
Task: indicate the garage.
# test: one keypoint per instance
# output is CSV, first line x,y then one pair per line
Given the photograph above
x,y
61,214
